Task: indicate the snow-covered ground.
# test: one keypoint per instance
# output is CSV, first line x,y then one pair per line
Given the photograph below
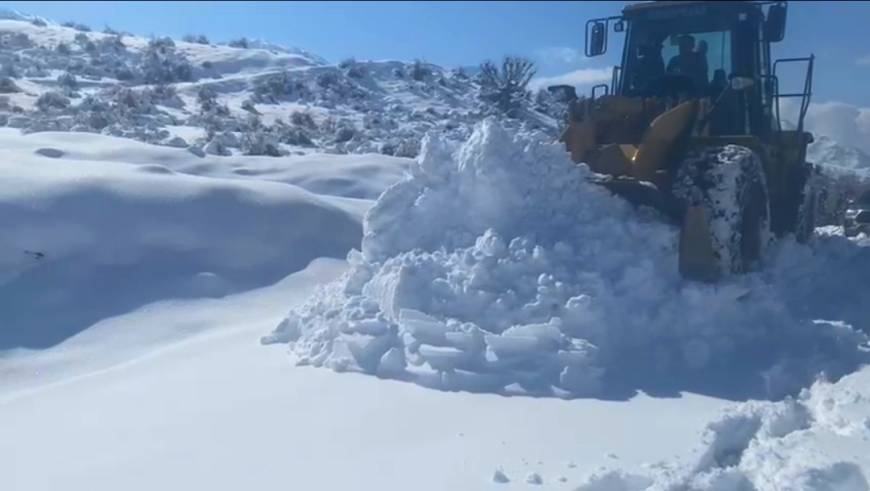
x,y
218,411
133,358
183,306
157,364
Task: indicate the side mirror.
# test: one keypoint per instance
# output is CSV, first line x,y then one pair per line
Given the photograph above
x,y
774,25
596,38
741,83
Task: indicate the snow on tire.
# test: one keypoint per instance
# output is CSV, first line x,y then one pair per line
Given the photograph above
x,y
728,182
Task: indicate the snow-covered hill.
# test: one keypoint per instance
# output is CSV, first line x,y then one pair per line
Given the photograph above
x,y
252,97
826,151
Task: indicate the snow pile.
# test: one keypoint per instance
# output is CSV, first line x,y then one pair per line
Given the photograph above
x,y
496,266
816,441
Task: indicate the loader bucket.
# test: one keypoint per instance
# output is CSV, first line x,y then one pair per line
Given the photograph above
x,y
698,259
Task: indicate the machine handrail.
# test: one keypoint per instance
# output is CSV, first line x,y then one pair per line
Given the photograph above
x,y
614,79
805,96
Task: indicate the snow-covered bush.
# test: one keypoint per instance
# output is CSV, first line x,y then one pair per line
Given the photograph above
x,y
124,74
94,113
15,40
77,26
352,69
164,95
239,43
68,82
303,119
260,142
248,105
84,42
291,135
63,49
418,71
52,100
196,39
112,44
407,147
459,73
8,86
161,64
505,88
276,87
38,22
327,79
344,133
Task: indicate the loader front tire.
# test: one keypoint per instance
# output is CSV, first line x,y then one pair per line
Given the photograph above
x,y
727,222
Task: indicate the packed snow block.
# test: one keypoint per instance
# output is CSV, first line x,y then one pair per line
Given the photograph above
x,y
422,327
372,327
398,288
367,350
443,358
392,363
469,338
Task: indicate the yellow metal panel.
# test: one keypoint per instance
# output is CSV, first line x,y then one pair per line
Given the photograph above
x,y
660,138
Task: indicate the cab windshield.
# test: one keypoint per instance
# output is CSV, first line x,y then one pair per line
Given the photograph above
x,y
697,63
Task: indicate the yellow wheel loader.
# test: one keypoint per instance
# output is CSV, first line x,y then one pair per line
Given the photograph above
x,y
690,124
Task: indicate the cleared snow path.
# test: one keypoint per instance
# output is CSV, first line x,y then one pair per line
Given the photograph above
x,y
218,411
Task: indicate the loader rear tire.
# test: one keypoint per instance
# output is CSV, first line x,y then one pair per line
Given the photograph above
x,y
727,183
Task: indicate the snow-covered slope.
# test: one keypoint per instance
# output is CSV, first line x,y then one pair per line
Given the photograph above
x,y
95,225
258,99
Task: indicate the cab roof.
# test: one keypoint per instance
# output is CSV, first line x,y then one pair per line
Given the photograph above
x,y
644,6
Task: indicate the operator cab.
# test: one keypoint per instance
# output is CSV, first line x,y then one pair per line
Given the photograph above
x,y
697,49
691,48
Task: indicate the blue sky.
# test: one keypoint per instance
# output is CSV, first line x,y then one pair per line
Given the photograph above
x,y
465,33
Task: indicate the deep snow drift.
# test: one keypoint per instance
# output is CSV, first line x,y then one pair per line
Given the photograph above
x,y
496,266
94,226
